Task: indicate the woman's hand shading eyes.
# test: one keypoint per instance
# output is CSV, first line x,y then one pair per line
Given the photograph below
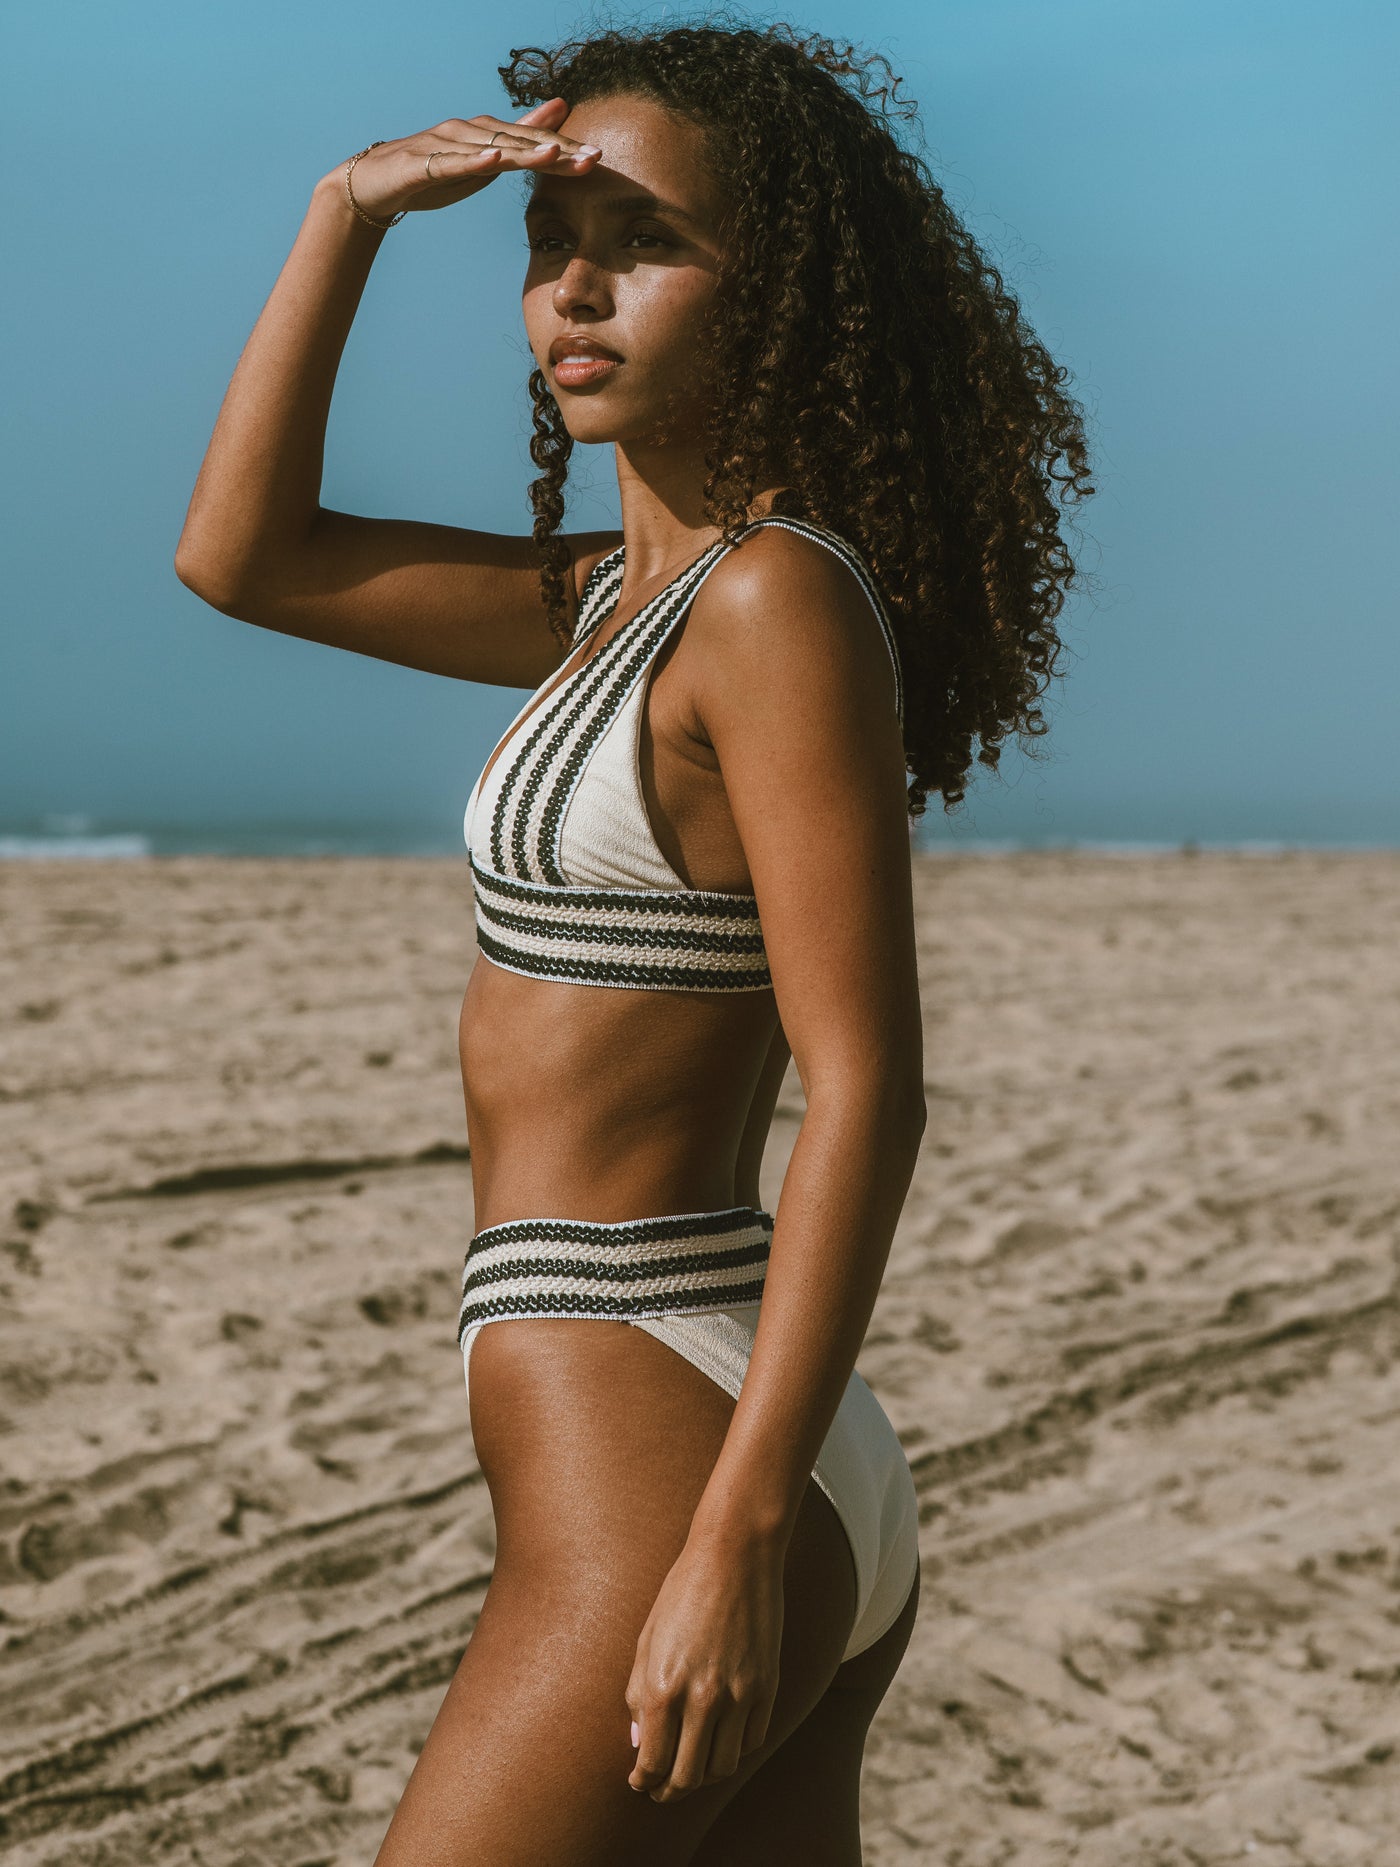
x,y
467,153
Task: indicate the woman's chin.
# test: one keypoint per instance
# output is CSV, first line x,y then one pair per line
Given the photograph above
x,y
592,423
591,427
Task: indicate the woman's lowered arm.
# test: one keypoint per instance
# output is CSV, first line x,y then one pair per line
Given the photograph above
x,y
796,695
798,702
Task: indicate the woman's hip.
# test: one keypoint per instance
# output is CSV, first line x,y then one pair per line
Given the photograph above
x,y
618,1352
566,1397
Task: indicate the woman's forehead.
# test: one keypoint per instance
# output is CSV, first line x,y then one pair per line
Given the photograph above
x,y
647,150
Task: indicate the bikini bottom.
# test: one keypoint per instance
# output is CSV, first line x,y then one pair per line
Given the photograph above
x,y
695,1280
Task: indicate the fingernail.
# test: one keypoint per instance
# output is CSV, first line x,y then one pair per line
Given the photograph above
x,y
636,1735
589,149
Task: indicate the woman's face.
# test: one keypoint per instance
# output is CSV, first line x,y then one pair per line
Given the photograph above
x,y
625,256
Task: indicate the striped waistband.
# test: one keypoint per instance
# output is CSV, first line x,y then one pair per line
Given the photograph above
x,y
682,1262
690,939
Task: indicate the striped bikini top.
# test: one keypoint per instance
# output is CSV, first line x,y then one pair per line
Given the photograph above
x,y
569,880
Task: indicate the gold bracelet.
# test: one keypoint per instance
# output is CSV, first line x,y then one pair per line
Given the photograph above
x,y
355,207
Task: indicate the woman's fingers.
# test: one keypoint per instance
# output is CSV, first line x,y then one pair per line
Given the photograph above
x,y
479,148
461,166
659,1725
727,1742
465,152
538,113
688,1742
522,134
756,1726
689,1769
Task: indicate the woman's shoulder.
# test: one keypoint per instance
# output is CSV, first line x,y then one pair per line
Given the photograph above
x,y
792,587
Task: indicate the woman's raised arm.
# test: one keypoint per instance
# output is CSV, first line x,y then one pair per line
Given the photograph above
x,y
257,543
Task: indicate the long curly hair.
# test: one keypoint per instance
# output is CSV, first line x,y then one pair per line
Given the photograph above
x,y
860,338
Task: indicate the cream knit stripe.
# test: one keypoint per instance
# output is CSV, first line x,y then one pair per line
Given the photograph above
x,y
625,949
709,904
693,1285
633,977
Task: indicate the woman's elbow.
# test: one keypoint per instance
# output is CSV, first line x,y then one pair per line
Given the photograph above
x,y
192,575
909,1112
892,1101
209,587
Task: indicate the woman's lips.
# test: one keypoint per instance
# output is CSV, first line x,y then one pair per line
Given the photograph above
x,y
577,372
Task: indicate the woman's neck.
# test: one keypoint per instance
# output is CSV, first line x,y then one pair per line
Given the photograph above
x,y
663,508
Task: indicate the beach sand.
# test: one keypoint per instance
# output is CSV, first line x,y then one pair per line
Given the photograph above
x,y
1139,1334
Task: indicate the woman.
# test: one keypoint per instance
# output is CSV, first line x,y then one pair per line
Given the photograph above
x,y
840,455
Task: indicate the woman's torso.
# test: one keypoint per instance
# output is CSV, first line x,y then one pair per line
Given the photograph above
x,y
606,1100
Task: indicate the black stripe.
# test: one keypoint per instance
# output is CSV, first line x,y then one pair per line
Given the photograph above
x,y
562,1303
711,902
561,779
600,569
665,1227
603,607
597,681
681,592
548,709
630,1271
547,712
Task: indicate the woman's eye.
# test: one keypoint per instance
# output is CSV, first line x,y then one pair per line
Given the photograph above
x,y
548,242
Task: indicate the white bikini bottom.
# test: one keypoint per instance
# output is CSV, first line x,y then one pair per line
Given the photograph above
x,y
619,1270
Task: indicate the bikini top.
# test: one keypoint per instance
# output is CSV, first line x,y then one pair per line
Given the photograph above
x,y
569,880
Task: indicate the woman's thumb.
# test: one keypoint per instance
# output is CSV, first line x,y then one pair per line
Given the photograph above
x,y
549,105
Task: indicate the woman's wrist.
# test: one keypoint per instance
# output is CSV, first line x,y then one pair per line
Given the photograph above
x,y
746,1531
328,197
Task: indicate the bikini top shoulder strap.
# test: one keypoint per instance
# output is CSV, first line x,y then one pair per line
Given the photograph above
x,y
601,583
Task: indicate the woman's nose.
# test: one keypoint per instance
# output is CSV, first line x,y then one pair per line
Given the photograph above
x,y
581,286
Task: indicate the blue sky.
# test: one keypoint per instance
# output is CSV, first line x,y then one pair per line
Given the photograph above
x,y
1195,203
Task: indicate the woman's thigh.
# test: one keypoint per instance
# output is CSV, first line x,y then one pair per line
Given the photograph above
x,y
596,1441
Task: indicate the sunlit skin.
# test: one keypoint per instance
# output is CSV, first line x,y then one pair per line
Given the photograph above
x,y
656,1673
638,277
650,1102
648,1107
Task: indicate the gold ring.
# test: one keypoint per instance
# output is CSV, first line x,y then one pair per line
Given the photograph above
x,y
494,135
435,152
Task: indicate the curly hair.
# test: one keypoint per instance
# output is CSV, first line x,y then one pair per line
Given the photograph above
x,y
934,434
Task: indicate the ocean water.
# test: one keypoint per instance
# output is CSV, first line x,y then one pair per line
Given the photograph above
x,y
86,839
17,848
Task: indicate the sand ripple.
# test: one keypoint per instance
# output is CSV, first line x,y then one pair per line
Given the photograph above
x,y
1139,1333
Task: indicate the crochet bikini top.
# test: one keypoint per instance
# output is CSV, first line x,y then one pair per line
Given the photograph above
x,y
569,880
